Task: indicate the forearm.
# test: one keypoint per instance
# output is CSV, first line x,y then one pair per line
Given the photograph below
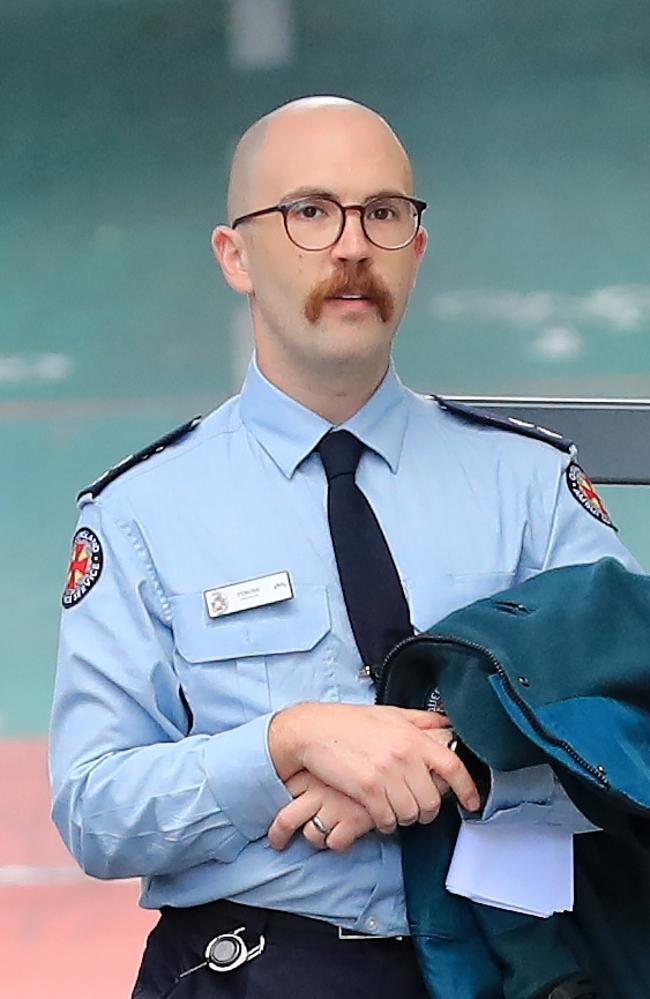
x,y
159,808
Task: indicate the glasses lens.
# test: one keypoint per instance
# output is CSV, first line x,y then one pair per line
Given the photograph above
x,y
390,222
314,223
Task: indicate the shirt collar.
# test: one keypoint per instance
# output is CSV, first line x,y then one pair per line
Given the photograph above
x,y
289,431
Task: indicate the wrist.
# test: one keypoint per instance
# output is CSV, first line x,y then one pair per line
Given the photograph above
x,y
286,741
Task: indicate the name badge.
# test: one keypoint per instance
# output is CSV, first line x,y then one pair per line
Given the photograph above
x,y
250,593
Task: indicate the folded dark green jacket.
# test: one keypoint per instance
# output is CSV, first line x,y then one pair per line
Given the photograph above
x,y
555,670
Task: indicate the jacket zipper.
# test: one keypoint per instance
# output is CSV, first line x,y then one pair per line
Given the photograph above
x,y
381,676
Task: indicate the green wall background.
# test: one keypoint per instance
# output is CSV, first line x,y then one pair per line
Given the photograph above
x,y
529,128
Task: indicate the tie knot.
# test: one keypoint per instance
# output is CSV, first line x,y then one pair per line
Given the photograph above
x,y
340,452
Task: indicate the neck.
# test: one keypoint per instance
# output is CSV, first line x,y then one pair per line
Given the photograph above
x,y
336,393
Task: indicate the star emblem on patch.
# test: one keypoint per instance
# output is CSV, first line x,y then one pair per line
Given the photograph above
x,y
85,566
582,488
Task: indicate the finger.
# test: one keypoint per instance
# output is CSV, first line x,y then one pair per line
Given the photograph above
x,y
445,736
424,719
341,837
347,832
402,801
315,836
291,818
448,766
441,785
376,803
299,783
427,789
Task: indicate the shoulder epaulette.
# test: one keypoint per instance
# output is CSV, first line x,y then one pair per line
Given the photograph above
x,y
96,487
510,423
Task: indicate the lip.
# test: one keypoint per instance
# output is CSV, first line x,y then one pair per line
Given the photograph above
x,y
351,303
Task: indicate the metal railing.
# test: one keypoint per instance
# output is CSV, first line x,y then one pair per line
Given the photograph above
x,y
612,435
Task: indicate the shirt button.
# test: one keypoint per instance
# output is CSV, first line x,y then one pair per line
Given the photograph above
x,y
371,924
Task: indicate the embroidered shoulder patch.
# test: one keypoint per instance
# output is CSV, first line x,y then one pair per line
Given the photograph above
x,y
581,486
85,566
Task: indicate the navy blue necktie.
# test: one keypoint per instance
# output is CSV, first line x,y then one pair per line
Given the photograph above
x,y
372,590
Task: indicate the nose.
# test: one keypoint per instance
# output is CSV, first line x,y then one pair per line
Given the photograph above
x,y
352,244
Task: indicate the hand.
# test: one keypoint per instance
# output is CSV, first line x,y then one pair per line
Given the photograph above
x,y
347,819
387,759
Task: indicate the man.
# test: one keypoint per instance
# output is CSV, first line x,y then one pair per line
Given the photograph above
x,y
212,700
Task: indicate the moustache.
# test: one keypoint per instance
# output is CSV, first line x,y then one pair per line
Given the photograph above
x,y
350,281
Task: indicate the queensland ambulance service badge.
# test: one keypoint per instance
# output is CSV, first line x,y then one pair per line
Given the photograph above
x,y
85,566
583,489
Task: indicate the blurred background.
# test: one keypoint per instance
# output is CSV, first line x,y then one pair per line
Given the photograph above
x,y
529,128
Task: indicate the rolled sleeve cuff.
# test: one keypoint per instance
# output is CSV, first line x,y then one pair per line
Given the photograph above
x,y
509,788
243,778
532,795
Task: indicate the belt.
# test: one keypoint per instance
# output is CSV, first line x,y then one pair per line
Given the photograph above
x,y
217,917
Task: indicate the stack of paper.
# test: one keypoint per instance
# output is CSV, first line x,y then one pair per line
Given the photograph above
x,y
525,868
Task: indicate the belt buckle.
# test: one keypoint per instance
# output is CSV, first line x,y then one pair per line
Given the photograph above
x,y
344,934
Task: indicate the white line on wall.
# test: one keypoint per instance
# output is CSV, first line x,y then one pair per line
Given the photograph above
x,y
33,874
623,308
18,369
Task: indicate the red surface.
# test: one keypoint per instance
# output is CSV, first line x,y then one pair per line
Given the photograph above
x,y
63,935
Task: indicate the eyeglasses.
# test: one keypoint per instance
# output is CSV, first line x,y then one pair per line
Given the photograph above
x,y
316,223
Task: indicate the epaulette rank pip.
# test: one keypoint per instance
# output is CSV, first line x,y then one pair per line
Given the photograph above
x,y
511,423
96,487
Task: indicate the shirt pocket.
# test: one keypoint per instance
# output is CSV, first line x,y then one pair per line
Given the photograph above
x,y
434,595
468,587
227,665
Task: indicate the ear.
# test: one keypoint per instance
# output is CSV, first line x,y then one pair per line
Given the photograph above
x,y
228,247
420,243
419,246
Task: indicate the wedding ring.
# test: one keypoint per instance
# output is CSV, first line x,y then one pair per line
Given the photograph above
x,y
320,825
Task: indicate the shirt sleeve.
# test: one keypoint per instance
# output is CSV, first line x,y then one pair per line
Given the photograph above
x,y
133,793
580,529
531,795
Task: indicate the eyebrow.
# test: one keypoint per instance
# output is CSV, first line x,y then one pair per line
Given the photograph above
x,y
316,192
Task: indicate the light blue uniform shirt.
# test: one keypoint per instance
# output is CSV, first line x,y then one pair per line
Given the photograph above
x,y
467,510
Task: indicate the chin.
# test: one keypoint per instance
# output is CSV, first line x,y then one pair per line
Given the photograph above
x,y
355,342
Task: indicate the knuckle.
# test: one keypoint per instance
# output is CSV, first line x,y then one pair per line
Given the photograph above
x,y
399,755
387,822
368,782
431,809
432,806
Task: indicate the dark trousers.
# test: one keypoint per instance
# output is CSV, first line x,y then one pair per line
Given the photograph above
x,y
302,959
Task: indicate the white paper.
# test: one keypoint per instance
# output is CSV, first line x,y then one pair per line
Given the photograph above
x,y
525,868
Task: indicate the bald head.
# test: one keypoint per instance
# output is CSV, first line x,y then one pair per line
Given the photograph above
x,y
281,131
